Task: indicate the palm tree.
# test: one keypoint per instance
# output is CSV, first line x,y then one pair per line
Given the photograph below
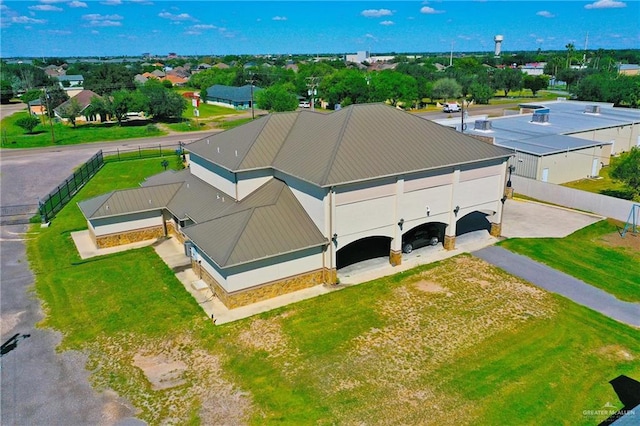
x,y
570,49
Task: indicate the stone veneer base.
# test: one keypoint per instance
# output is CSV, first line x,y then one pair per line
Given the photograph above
x,y
496,229
395,258
265,291
128,237
449,242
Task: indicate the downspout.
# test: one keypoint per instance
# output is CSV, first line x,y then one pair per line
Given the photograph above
x,y
331,239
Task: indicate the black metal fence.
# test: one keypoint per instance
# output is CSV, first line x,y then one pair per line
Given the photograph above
x,y
60,196
124,154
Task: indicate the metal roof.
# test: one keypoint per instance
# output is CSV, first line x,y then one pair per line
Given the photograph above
x,y
518,132
359,142
196,199
231,93
126,201
267,223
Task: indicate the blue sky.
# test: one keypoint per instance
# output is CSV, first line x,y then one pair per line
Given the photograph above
x,y
208,27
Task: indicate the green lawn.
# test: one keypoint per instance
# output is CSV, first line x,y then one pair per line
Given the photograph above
x,y
592,254
605,185
456,342
15,137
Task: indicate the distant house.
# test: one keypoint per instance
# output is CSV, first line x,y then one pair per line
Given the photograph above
x,y
84,99
534,68
629,69
239,98
68,81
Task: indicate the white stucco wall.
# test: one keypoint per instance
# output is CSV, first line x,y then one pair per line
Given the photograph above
x,y
118,224
246,185
216,179
274,269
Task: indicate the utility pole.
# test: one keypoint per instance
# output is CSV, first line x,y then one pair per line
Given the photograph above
x,y
312,89
46,97
252,81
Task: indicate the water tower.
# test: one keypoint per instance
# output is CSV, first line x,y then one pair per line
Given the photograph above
x,y
498,40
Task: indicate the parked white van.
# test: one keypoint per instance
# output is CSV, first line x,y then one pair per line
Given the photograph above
x,y
451,108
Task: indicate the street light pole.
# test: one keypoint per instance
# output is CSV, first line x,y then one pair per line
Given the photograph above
x,y
46,96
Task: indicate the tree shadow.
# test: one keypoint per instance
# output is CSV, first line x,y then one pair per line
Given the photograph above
x,y
625,194
628,391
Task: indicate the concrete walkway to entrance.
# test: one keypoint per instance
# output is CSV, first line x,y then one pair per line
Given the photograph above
x,y
565,285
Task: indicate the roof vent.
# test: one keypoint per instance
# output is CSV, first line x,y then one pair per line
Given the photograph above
x,y
482,125
540,117
592,109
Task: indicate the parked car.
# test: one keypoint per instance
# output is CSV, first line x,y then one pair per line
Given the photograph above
x,y
420,238
451,108
304,104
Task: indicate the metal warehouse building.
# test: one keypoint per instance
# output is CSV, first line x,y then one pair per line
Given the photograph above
x,y
559,141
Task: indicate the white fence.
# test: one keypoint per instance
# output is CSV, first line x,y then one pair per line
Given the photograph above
x,y
603,205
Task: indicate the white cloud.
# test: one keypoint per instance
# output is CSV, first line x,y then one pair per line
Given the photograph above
x,y
387,23
605,4
111,2
105,23
545,14
98,17
430,11
45,8
376,13
371,37
59,32
279,18
178,17
77,4
26,20
203,27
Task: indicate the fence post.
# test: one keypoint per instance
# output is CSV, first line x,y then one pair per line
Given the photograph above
x,y
160,148
139,152
118,154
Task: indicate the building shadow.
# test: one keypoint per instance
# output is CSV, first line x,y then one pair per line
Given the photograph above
x,y
628,391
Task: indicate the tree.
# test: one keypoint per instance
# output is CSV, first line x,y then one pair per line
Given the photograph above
x,y
535,83
107,78
345,87
71,111
277,98
160,102
481,93
626,169
507,79
28,123
446,88
568,75
6,91
53,97
31,95
393,87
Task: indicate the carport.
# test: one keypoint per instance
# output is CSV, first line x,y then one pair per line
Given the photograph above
x,y
363,249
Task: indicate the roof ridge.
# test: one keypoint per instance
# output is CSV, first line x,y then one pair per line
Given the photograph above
x,y
241,230
255,139
107,198
338,142
271,166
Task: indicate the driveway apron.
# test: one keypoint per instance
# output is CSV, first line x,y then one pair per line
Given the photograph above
x,y
565,285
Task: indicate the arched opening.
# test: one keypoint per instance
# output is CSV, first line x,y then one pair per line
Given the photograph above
x,y
363,249
473,222
426,234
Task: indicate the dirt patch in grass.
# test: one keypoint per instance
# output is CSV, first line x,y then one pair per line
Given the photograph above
x,y
630,240
616,353
430,320
169,381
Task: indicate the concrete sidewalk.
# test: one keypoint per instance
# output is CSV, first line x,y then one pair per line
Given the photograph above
x,y
565,285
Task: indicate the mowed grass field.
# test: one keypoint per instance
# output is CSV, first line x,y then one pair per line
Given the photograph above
x,y
597,254
455,342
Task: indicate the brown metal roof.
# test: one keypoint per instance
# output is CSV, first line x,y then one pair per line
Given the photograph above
x,y
267,223
359,142
126,201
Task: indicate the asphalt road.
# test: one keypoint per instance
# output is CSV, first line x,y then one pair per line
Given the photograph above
x,y
41,386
